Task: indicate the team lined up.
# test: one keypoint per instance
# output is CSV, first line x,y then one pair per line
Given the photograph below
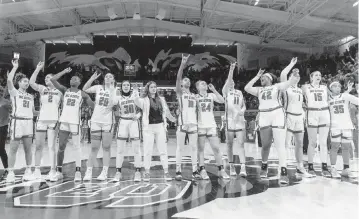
x,y
196,118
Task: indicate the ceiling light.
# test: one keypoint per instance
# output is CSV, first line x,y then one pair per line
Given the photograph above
x,y
355,3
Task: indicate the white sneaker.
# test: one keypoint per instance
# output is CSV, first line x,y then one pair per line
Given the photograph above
x,y
56,177
223,174
10,178
37,174
204,174
102,176
117,177
137,177
27,175
232,170
88,175
50,175
301,171
335,173
77,176
243,172
347,173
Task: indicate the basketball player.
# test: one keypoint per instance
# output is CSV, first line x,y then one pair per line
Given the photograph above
x,y
21,122
50,99
70,121
207,127
154,124
341,127
235,123
187,121
5,107
101,123
128,127
293,104
318,120
271,119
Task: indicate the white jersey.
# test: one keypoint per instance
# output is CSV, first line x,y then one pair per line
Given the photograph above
x,y
22,104
234,103
339,111
294,100
127,105
187,109
269,98
50,100
71,109
102,113
316,97
205,110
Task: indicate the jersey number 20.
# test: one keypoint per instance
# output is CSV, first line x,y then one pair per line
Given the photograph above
x,y
103,101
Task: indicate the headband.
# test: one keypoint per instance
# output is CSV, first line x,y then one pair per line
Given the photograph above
x,y
335,82
269,76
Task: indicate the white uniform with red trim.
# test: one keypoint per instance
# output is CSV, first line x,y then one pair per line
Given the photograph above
x,y
341,124
187,118
234,103
50,100
294,109
22,115
127,128
271,112
206,122
317,106
102,117
71,112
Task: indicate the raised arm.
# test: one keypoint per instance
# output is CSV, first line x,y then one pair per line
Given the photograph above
x,y
249,87
87,99
285,71
55,78
230,78
352,99
180,74
218,97
10,77
33,77
350,87
285,85
87,87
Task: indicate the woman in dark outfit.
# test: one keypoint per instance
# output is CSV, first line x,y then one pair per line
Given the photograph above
x,y
5,107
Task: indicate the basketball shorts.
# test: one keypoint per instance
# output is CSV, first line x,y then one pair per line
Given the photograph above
x,y
340,135
207,132
68,127
295,123
318,118
21,128
43,126
272,119
235,125
100,127
188,129
127,128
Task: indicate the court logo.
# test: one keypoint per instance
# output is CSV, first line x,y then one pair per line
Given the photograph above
x,y
114,194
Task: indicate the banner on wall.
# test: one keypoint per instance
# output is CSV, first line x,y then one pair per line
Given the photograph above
x,y
140,59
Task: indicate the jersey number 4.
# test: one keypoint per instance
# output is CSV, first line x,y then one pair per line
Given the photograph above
x,y
267,95
206,107
338,109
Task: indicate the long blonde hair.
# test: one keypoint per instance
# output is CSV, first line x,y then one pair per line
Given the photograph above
x,y
156,102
